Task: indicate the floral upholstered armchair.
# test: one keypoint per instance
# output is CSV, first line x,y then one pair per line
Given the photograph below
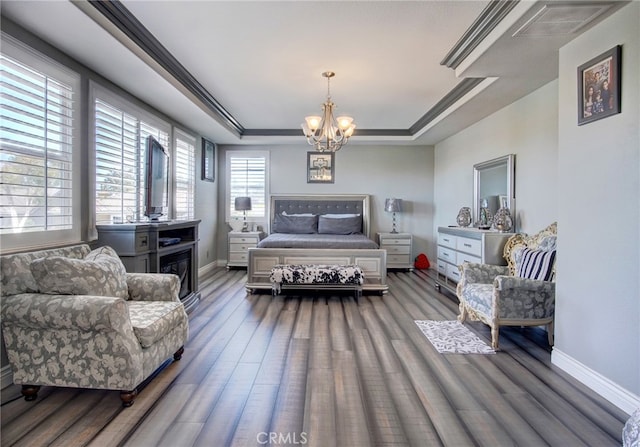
x,y
519,294
73,317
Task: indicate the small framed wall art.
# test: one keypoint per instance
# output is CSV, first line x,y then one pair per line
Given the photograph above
x,y
599,86
320,167
208,160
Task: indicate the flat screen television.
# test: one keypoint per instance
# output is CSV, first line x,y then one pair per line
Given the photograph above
x,y
157,179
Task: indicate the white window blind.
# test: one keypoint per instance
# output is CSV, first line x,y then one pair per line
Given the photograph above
x,y
120,160
117,163
247,177
37,117
185,175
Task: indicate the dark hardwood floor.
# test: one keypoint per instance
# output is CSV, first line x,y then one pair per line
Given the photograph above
x,y
327,371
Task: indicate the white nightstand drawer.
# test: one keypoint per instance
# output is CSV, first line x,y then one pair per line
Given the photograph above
x,y
397,259
241,247
471,246
442,267
243,239
396,249
447,254
394,241
447,240
239,256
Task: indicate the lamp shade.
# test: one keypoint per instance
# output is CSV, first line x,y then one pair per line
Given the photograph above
x,y
242,204
393,205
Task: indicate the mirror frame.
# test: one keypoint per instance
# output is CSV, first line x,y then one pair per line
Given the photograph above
x,y
510,162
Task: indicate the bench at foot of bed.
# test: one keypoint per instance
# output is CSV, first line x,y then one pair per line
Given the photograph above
x,y
372,262
311,276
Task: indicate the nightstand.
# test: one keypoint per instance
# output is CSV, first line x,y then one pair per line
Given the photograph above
x,y
399,247
238,246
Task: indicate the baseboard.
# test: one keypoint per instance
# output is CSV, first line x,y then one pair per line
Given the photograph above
x,y
6,377
207,268
614,393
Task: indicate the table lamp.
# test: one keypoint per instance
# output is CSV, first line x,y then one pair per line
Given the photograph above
x,y
243,204
393,206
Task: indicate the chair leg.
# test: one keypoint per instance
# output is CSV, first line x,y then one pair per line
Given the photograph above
x,y
550,336
495,336
178,354
30,392
463,312
127,397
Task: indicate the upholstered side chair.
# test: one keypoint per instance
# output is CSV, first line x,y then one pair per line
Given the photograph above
x,y
521,293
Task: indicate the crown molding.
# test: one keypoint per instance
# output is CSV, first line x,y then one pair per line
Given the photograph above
x,y
124,21
488,19
116,13
464,87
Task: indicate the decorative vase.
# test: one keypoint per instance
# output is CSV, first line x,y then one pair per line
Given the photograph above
x,y
464,216
502,221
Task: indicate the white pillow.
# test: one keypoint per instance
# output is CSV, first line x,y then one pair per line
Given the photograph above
x,y
339,216
284,213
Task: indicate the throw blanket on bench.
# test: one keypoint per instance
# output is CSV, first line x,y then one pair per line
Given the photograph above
x,y
316,275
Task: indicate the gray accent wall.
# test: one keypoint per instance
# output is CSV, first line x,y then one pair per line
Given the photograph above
x,y
405,172
527,128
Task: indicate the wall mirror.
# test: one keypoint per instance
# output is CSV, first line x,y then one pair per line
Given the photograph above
x,y
494,181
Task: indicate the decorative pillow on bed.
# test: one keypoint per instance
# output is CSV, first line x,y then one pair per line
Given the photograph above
x,y
295,224
100,273
340,216
345,225
284,213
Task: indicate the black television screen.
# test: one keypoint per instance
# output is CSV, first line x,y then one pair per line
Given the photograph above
x,y
157,179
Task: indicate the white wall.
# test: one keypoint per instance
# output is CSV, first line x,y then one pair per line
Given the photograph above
x,y
588,179
527,128
405,172
598,290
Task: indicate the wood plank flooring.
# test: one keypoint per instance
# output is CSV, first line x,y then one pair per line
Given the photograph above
x,y
323,370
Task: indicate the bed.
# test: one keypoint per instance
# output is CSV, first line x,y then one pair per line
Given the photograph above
x,y
333,214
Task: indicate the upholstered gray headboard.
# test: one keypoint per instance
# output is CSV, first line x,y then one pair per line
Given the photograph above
x,y
322,204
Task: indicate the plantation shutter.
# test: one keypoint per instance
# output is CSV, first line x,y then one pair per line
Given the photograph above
x,y
36,147
184,169
120,152
247,178
117,164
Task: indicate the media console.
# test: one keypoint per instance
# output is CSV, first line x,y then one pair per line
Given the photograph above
x,y
143,248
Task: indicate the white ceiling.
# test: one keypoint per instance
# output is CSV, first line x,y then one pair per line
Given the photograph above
x,y
262,60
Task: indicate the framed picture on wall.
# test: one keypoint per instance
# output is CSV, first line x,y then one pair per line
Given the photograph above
x,y
320,167
208,160
599,86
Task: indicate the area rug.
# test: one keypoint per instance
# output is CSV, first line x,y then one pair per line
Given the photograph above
x,y
453,337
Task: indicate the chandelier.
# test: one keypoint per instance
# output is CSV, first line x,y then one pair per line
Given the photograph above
x,y
325,132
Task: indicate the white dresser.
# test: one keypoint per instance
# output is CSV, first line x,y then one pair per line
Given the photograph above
x,y
399,247
457,245
239,244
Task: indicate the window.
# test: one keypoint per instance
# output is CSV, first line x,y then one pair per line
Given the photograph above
x,y
247,177
39,149
121,130
184,168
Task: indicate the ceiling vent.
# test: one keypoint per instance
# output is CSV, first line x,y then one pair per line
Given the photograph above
x,y
562,19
